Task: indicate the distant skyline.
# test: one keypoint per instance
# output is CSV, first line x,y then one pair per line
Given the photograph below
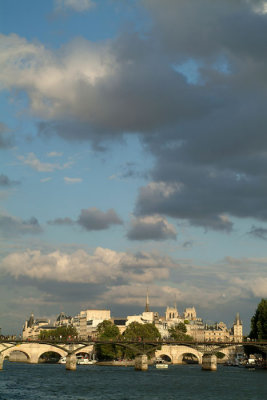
x,y
133,155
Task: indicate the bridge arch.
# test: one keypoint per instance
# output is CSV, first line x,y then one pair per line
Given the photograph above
x,y
35,350
13,348
166,357
15,354
177,352
182,358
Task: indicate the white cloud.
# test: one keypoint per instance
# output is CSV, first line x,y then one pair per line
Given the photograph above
x,y
260,7
45,179
163,189
32,161
135,294
259,287
121,278
71,181
54,81
103,266
54,154
75,5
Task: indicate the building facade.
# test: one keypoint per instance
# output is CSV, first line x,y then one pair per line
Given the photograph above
x,y
87,321
32,327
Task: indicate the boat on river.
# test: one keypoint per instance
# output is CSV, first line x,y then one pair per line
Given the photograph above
x,y
85,361
80,360
161,364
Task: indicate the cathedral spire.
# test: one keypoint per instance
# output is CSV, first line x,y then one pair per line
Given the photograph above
x,y
175,303
237,319
147,302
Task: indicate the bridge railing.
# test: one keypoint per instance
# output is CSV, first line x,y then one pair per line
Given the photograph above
x,y
136,341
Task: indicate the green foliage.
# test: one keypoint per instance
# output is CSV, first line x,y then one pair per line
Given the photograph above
x,y
140,333
107,331
181,327
178,333
137,331
259,322
60,333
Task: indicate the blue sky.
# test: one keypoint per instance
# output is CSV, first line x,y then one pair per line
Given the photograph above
x,y
133,156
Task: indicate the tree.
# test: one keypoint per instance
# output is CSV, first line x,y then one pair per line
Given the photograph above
x,y
62,332
178,333
259,322
107,331
137,331
140,333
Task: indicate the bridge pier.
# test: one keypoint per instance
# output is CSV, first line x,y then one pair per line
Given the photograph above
x,y
141,363
209,362
1,362
71,362
34,358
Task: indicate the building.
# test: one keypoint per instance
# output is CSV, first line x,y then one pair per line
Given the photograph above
x,y
190,314
63,320
147,317
86,322
237,330
33,327
217,333
120,322
199,331
171,313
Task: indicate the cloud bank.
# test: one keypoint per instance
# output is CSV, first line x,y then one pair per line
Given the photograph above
x,y
120,278
207,134
74,5
12,226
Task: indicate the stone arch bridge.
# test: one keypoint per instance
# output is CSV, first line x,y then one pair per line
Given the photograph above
x,y
34,350
175,351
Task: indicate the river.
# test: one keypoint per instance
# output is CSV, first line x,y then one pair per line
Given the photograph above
x,y
180,382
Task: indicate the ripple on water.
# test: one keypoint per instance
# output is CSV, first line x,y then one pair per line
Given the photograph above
x,y
50,382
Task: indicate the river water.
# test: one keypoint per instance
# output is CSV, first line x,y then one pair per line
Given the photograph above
x,y
180,382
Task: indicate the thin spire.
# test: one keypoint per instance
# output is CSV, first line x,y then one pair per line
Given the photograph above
x,y
237,319
147,302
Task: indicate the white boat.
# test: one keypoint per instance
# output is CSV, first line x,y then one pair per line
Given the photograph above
x,y
85,361
80,361
159,363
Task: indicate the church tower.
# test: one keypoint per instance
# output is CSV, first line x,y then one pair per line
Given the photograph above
x,y
238,329
171,313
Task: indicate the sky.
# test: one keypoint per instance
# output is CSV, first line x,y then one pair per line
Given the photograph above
x,y
133,154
